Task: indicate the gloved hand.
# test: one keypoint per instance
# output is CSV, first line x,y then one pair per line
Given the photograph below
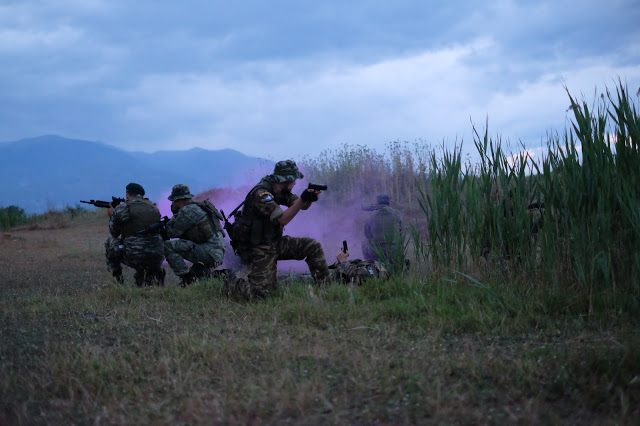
x,y
309,196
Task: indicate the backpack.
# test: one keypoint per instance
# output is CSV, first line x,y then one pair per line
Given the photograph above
x,y
214,214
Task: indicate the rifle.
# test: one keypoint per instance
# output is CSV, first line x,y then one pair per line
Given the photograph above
x,y
158,227
105,204
228,226
369,208
238,232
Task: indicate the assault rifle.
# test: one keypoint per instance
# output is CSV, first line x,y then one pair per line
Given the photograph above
x,y
105,204
369,208
228,226
158,227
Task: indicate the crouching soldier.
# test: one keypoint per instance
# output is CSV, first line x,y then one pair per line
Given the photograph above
x,y
143,252
201,239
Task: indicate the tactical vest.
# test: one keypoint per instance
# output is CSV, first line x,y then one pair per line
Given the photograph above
x,y
250,226
384,225
202,231
142,213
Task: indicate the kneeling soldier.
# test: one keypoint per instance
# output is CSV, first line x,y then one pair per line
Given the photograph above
x,y
201,239
127,246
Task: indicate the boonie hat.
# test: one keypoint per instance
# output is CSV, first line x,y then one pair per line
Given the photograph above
x,y
179,192
286,171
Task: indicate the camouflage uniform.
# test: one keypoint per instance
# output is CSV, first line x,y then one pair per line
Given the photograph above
x,y
201,239
383,232
263,243
144,253
352,271
356,271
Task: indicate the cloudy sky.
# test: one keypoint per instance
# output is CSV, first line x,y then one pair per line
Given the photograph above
x,y
292,78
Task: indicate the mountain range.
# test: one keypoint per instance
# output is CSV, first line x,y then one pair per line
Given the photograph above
x,y
51,172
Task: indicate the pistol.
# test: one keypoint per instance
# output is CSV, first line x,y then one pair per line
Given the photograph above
x,y
344,246
317,187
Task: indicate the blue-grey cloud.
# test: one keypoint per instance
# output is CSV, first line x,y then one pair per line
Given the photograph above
x,y
290,78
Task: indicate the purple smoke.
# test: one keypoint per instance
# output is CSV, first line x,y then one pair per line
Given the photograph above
x,y
326,220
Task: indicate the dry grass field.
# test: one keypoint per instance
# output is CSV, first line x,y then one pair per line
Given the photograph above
x,y
78,349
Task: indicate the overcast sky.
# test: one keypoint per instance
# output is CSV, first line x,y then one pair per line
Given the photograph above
x,y
291,78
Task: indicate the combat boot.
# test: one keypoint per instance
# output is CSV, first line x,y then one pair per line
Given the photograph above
x,y
117,275
154,276
200,272
186,279
139,277
160,276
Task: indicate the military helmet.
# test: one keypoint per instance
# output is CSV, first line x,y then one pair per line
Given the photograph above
x,y
135,189
179,192
286,171
383,198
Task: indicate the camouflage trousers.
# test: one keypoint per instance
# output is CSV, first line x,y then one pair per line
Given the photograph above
x,y
207,255
262,278
144,254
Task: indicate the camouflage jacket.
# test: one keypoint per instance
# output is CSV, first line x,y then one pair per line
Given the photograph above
x,y
194,224
383,225
263,201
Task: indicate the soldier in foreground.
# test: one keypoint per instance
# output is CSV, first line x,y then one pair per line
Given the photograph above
x,y
201,239
144,253
258,233
383,231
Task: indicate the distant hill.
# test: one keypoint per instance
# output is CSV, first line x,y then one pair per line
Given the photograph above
x,y
48,172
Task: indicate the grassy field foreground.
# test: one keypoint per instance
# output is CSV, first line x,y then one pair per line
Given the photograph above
x,y
427,348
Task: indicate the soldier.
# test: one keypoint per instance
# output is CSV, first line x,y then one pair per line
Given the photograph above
x,y
355,271
383,231
344,271
258,228
143,252
201,239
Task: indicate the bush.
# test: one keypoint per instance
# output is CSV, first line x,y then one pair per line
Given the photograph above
x,y
12,216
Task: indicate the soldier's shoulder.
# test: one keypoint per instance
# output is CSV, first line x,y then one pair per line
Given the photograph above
x,y
191,208
121,208
263,195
